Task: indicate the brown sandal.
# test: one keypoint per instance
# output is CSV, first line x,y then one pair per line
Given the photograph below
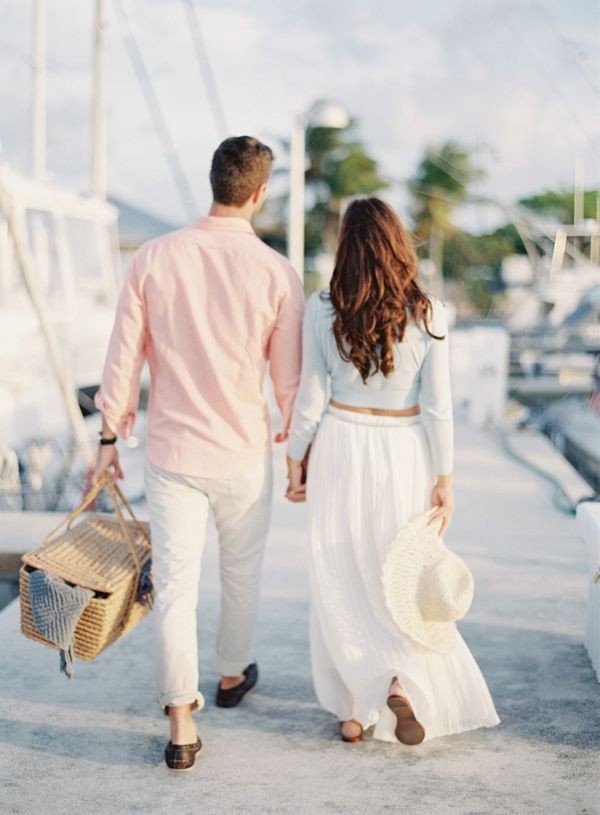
x,y
351,739
182,756
408,729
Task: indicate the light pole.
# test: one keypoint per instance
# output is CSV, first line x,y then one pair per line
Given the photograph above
x,y
321,114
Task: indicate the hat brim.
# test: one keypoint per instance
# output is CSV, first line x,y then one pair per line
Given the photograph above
x,y
417,546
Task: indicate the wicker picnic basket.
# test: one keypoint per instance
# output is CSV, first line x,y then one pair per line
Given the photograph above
x,y
103,553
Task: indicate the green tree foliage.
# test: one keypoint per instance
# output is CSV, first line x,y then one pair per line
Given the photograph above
x,y
559,204
463,251
475,262
338,168
440,185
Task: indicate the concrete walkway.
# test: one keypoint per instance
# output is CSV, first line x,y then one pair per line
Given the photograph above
x,y
95,744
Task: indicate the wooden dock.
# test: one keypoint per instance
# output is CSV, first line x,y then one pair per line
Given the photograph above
x,y
95,744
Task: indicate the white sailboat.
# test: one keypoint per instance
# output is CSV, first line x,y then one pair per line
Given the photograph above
x,y
60,274
59,279
73,244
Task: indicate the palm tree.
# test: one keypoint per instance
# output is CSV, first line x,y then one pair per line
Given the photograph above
x,y
440,185
338,168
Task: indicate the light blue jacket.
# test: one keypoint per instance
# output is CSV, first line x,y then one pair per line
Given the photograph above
x,y
421,376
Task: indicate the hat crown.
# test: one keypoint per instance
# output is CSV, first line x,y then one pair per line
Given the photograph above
x,y
427,587
445,590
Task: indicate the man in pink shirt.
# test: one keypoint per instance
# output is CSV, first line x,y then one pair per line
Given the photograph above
x,y
209,307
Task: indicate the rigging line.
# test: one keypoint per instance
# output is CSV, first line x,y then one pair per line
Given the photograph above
x,y
206,71
431,191
461,176
564,42
535,58
522,219
156,113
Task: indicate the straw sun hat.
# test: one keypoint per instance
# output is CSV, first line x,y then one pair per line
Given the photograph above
x,y
427,587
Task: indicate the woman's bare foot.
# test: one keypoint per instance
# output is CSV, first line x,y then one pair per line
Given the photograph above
x,y
396,689
351,730
183,726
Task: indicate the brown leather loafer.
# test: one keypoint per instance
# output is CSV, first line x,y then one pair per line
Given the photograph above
x,y
182,756
233,696
408,729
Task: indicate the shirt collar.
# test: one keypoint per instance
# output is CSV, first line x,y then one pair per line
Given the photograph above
x,y
227,224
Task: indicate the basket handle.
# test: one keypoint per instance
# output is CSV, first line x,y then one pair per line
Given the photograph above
x,y
107,482
87,500
117,495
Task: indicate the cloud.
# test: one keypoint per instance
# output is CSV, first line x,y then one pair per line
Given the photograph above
x,y
512,80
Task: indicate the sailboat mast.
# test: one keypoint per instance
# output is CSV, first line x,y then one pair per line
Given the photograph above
x,y
38,118
99,137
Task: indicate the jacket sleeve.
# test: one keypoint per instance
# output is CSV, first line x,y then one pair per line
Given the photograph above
x,y
118,396
436,397
313,392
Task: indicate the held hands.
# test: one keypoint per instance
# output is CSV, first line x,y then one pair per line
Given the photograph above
x,y
442,500
297,470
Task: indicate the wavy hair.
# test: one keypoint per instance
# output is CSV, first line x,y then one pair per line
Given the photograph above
x,y
373,289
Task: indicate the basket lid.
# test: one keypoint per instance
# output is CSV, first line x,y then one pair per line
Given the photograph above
x,y
93,553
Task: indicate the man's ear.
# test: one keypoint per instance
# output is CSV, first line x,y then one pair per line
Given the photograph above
x,y
259,193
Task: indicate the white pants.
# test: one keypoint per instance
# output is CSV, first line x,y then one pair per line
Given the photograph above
x,y
178,508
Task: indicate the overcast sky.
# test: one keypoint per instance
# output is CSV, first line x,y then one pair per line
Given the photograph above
x,y
517,81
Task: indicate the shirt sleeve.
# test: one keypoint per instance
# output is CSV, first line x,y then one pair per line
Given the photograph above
x,y
285,348
436,397
313,392
118,396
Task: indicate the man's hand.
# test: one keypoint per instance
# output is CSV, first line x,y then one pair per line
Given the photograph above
x,y
297,472
107,457
296,491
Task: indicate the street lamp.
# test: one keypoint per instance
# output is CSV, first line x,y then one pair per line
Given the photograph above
x,y
321,114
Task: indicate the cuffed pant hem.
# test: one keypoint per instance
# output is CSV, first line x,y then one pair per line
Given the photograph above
x,y
179,699
227,668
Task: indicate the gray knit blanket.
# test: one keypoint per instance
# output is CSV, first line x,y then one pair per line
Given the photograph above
x,y
56,608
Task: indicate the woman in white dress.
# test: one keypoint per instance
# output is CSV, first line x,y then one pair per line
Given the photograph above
x,y
374,409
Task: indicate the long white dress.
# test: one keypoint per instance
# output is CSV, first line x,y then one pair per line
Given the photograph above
x,y
368,476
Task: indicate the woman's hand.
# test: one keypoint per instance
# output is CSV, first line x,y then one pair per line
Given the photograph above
x,y
296,491
442,500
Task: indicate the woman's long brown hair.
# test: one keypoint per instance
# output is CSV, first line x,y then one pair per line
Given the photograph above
x,y
373,289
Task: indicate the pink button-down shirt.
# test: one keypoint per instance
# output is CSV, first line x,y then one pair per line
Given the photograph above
x,y
208,306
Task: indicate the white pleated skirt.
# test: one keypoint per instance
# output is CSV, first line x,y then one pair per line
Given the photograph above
x,y
368,476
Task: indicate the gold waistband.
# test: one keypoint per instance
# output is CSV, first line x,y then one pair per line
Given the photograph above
x,y
412,411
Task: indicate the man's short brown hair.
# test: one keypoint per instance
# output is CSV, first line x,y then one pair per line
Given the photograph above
x,y
240,164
